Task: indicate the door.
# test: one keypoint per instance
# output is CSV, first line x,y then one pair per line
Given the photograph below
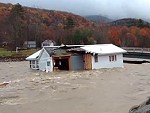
x,y
48,66
87,61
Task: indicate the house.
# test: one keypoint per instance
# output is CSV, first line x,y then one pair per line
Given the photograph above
x,y
48,43
77,57
29,44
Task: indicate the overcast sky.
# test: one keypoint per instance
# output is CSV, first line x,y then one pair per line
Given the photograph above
x,y
110,8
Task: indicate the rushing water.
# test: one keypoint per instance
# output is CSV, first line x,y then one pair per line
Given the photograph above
x,y
105,90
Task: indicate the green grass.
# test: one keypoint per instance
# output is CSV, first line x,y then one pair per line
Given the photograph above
x,y
6,53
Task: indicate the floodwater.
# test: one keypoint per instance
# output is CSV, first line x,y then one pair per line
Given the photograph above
x,y
23,90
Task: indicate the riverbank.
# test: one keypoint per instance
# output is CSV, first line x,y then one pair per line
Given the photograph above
x,y
96,91
13,56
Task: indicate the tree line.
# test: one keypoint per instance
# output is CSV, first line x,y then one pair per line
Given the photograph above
x,y
19,26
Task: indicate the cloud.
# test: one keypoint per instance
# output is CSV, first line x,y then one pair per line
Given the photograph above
x,y
110,8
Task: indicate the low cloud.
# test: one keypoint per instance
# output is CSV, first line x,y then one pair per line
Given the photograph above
x,y
113,9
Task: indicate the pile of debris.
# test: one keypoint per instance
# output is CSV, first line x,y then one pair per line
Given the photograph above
x,y
142,108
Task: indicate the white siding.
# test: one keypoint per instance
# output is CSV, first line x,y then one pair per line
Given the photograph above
x,y
43,61
104,62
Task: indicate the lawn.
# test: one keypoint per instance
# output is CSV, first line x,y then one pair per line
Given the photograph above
x,y
6,53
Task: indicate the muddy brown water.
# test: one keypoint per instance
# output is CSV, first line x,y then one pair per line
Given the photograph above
x,y
97,91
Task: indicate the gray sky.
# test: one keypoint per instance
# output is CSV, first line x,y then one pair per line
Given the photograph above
x,y
110,8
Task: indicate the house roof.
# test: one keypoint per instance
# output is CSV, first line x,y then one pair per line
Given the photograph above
x,y
103,49
34,56
48,41
50,49
30,42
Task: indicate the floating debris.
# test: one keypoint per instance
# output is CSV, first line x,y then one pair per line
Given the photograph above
x,y
2,85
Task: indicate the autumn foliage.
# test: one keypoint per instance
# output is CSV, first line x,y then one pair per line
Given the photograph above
x,y
19,24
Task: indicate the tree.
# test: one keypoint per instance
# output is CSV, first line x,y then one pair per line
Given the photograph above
x,y
83,36
15,19
113,35
17,11
69,23
140,23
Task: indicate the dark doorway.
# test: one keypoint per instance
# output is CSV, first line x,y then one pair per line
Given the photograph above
x,y
62,64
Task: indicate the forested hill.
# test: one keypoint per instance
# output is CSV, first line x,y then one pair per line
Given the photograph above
x,y
19,24
98,19
131,22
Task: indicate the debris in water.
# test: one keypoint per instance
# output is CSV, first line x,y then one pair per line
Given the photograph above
x,y
142,108
3,84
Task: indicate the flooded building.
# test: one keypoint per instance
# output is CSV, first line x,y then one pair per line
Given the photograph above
x,y
77,57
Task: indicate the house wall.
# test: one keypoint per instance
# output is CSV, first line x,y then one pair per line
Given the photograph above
x,y
43,62
104,62
31,45
77,63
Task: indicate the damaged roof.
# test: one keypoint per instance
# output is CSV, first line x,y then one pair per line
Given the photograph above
x,y
101,49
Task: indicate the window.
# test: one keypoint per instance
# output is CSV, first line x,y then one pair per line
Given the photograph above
x,y
37,64
48,63
96,57
112,58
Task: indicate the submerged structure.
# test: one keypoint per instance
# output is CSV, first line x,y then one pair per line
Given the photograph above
x,y
77,57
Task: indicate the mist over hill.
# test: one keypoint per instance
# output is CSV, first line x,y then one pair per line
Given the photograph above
x,y
98,19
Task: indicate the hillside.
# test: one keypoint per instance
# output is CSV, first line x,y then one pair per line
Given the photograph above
x,y
47,17
131,22
18,23
98,19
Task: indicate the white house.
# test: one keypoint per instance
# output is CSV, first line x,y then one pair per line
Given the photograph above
x,y
48,43
29,44
78,57
41,60
104,56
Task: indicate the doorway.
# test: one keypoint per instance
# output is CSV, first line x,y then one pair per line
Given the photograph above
x,y
61,63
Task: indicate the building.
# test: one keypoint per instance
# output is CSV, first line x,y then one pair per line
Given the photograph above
x,y
48,43
77,57
29,44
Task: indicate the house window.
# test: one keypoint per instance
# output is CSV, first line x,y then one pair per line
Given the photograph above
x,y
96,57
48,63
37,64
112,58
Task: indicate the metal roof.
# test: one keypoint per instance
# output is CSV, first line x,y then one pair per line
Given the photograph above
x,y
103,49
34,56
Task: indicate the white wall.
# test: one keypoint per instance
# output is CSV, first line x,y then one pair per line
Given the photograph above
x,y
43,61
103,62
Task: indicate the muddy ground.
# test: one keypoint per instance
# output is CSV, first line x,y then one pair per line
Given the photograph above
x,y
97,91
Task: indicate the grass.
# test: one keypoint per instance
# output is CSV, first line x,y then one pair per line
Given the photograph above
x,y
6,53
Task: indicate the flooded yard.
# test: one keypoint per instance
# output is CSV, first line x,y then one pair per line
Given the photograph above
x,y
23,90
